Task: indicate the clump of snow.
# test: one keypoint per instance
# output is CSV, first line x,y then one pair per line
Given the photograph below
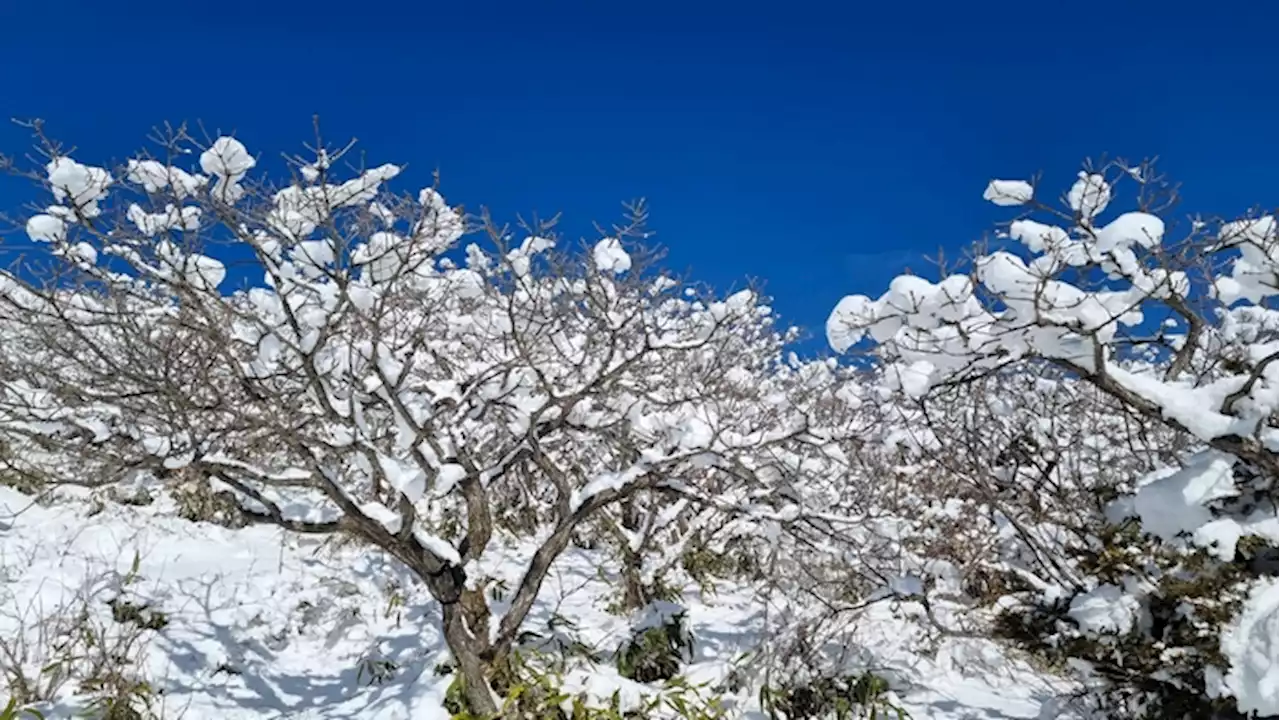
x,y
906,586
1195,408
299,210
403,475
1104,609
46,228
199,271
1039,237
610,257
311,171
1008,192
82,185
448,476
227,157
914,379
1172,503
438,545
606,482
1261,230
389,519
439,220
1219,537
228,160
173,218
1255,274
1090,195
1132,228
388,255
1251,644
154,176
85,252
845,326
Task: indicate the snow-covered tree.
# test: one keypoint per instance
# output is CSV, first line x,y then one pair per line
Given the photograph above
x,y
326,353
1147,541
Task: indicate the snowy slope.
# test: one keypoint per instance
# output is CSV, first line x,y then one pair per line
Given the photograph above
x,y
265,625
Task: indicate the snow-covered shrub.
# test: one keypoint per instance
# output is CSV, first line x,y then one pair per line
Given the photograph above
x,y
325,352
536,691
12,477
198,501
1095,411
1150,625
861,697
659,645
86,640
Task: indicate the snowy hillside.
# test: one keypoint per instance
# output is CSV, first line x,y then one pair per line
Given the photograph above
x,y
261,624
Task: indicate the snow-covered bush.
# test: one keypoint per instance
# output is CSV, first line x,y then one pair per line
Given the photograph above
x,y
84,637
325,352
865,696
659,646
1101,395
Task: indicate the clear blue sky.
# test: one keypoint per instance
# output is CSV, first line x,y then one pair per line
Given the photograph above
x,y
817,147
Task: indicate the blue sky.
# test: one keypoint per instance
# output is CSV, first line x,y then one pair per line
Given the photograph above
x,y
816,147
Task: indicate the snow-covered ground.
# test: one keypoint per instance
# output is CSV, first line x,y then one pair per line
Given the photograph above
x,y
267,625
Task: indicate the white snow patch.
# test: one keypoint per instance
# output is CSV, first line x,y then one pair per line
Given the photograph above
x,y
404,475
448,476
1251,645
609,256
438,545
1219,537
292,618
1089,195
1104,609
46,228
228,160
1008,193
1171,503
82,185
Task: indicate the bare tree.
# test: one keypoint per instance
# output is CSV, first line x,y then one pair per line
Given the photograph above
x,y
371,378
1107,395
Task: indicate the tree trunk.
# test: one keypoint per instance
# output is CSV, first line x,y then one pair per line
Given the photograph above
x,y
634,594
447,583
467,649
